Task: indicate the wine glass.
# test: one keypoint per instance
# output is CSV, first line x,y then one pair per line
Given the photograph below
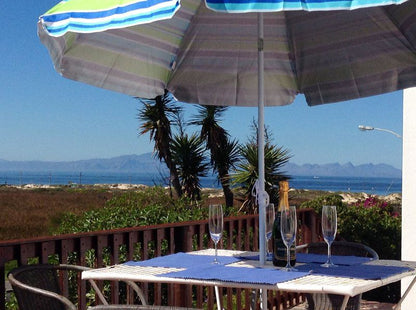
x,y
216,224
288,226
270,215
329,230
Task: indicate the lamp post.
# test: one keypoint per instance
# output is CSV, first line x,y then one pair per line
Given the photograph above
x,y
367,128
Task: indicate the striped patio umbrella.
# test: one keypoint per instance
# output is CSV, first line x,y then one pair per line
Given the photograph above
x,y
209,57
328,50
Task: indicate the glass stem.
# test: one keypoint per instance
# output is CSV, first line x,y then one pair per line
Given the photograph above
x,y
216,251
329,252
288,256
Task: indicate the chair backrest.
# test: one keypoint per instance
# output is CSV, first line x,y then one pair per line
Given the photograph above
x,y
39,287
342,248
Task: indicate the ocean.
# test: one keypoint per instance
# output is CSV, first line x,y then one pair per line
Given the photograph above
x,y
373,185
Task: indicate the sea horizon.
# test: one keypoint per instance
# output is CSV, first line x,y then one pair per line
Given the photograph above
x,y
370,185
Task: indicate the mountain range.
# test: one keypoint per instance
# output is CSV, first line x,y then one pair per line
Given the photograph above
x,y
146,163
345,170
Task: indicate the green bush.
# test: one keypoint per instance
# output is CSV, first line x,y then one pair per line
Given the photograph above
x,y
377,224
329,200
148,207
372,222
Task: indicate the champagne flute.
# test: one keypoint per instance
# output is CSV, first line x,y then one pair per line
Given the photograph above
x,y
288,226
270,215
216,225
329,230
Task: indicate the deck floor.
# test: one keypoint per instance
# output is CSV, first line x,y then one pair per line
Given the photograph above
x,y
365,305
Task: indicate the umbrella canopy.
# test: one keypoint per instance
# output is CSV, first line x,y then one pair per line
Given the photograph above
x,y
320,48
207,57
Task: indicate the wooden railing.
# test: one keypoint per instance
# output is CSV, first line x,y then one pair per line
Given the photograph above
x,y
97,249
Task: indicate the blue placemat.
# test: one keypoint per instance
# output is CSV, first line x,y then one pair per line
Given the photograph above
x,y
318,258
182,260
236,274
366,272
336,259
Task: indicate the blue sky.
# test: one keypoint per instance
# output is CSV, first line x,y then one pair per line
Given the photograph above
x,y
46,117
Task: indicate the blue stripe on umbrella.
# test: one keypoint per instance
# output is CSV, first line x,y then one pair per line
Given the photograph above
x,y
312,5
103,13
115,23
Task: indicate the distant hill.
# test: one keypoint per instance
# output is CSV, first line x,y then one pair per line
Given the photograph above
x,y
346,170
147,164
127,163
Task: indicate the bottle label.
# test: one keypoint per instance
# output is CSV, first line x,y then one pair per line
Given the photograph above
x,y
280,252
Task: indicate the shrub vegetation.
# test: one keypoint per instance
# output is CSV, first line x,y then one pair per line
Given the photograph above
x,y
151,206
373,222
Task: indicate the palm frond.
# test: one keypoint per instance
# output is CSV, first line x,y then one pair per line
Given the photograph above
x,y
189,156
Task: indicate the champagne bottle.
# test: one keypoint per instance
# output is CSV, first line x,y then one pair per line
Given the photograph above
x,y
279,248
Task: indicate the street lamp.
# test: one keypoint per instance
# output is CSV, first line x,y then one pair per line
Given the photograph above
x,y
366,128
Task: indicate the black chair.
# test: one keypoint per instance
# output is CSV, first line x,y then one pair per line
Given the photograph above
x,y
318,301
41,287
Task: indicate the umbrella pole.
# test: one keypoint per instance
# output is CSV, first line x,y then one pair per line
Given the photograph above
x,y
261,202
261,196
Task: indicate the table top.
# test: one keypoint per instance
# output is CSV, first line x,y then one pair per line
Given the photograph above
x,y
310,281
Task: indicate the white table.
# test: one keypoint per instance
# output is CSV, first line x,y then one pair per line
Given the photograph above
x,y
310,283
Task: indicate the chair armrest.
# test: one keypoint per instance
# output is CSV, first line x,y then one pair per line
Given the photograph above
x,y
138,291
20,285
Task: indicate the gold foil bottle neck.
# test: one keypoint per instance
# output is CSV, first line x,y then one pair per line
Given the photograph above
x,y
283,195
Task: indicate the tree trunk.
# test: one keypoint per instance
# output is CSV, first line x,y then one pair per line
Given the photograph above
x,y
176,184
174,178
228,194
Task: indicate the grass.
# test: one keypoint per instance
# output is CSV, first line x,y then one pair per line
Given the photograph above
x,y
27,213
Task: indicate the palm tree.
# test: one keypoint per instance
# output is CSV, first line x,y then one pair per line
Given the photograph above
x,y
156,118
223,152
189,157
225,160
246,173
